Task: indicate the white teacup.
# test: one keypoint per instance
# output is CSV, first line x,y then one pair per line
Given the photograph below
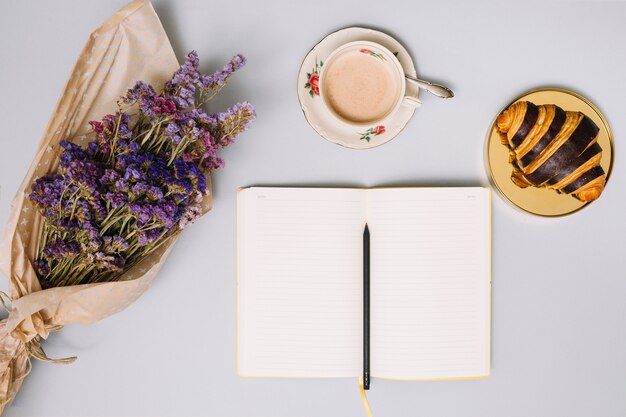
x,y
363,83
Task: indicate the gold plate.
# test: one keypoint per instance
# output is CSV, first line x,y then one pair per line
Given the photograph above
x,y
541,201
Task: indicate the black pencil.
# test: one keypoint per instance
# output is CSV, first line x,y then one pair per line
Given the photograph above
x,y
366,308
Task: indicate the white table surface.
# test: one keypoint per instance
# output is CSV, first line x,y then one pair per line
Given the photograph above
x,y
559,286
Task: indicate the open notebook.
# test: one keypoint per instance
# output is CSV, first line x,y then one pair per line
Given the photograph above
x,y
300,282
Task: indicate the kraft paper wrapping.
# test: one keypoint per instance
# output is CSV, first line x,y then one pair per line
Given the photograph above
x,y
131,45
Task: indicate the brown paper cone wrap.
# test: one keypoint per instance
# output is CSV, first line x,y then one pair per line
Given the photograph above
x,y
131,45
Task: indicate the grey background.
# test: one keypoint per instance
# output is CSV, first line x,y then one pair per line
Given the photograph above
x,y
559,339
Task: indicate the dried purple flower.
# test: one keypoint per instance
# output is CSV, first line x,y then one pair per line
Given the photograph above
x,y
46,192
192,212
142,212
148,236
58,249
41,267
116,199
133,173
109,177
121,186
114,244
182,87
154,193
164,106
234,121
219,78
108,262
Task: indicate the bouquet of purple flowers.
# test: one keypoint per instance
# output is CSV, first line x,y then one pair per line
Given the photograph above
x,y
138,182
104,201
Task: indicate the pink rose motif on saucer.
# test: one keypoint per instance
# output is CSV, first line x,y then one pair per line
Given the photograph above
x,y
372,131
313,79
372,53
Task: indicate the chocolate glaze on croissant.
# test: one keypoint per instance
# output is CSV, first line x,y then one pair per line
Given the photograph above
x,y
552,148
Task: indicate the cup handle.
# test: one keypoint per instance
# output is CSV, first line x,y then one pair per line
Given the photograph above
x,y
412,101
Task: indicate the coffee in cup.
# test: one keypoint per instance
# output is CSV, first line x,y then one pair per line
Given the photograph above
x,y
362,83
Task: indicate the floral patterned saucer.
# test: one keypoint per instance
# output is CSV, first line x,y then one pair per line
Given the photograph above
x,y
321,118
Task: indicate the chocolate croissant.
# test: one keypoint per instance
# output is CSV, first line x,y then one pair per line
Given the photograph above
x,y
553,148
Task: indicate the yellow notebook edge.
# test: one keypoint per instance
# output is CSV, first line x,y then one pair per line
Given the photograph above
x,y
490,319
237,348
237,329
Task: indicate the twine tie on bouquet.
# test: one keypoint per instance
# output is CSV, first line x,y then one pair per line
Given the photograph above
x,y
33,346
16,351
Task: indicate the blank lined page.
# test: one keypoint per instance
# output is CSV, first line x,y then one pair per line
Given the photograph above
x,y
300,282
430,282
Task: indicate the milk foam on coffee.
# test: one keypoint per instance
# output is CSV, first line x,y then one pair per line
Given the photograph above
x,y
359,87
